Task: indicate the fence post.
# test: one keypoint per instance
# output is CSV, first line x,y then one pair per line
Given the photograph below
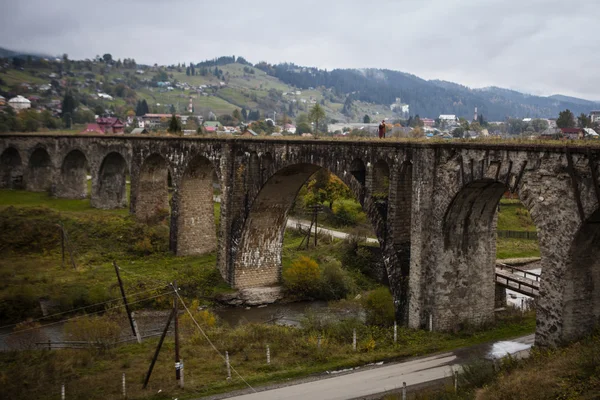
x,y
395,332
62,392
124,387
354,339
228,366
268,355
455,381
319,342
181,385
403,390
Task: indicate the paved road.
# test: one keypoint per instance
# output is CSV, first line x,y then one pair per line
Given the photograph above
x,y
295,223
372,381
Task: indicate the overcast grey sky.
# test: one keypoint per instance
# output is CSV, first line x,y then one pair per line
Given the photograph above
x,y
537,46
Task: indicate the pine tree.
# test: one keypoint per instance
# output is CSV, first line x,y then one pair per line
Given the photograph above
x,y
244,114
174,125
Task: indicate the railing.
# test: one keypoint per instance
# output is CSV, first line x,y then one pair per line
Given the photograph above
x,y
517,286
506,267
527,235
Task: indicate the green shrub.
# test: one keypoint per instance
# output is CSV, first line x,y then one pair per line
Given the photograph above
x,y
379,306
335,282
302,277
102,331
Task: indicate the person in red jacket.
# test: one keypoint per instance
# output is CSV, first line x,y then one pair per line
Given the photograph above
x,y
382,130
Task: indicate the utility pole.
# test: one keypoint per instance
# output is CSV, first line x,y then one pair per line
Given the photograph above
x,y
125,299
176,326
160,342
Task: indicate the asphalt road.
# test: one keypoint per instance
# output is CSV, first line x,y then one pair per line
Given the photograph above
x,y
371,381
295,223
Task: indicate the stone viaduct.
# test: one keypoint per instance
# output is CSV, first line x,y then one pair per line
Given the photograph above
x,y
432,205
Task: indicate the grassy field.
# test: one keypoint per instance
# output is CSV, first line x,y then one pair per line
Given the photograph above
x,y
294,353
30,269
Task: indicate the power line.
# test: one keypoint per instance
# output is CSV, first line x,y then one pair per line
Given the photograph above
x,y
80,316
211,343
84,307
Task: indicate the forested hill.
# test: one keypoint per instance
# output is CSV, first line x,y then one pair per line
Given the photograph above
x,y
426,98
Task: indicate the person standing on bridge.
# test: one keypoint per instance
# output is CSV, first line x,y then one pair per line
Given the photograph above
x,y
382,129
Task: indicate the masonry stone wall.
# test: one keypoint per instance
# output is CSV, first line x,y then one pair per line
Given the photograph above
x,y
196,223
152,188
72,180
435,222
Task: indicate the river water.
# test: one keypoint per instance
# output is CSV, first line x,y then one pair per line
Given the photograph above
x,y
153,322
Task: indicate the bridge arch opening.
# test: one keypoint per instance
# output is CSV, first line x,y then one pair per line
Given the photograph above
x,y
11,169
381,180
72,183
196,229
582,282
258,260
39,173
110,190
468,286
152,200
359,171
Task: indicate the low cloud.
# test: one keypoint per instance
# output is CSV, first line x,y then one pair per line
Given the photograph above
x,y
542,47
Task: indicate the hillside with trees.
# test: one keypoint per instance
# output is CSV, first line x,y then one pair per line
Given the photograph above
x,y
232,90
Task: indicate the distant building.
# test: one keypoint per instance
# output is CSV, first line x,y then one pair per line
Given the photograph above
x,y
153,120
290,128
590,133
92,128
19,103
110,124
572,133
595,116
449,119
139,131
105,96
428,122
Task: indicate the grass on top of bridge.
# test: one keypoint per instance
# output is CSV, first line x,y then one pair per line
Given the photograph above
x,y
481,141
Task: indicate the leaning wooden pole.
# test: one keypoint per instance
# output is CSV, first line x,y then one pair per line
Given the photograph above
x,y
125,299
160,342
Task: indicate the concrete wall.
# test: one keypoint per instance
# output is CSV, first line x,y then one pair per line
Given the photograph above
x,y
432,206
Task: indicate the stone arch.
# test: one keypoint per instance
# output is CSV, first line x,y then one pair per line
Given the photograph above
x,y
195,224
110,190
258,257
39,171
359,171
11,169
380,185
465,283
72,183
153,188
581,310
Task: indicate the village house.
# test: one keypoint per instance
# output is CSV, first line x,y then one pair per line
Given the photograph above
x,y
91,129
595,116
572,133
110,124
154,120
19,103
428,122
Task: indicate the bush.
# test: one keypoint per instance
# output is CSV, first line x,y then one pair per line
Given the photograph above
x,y
102,331
303,277
379,306
335,282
